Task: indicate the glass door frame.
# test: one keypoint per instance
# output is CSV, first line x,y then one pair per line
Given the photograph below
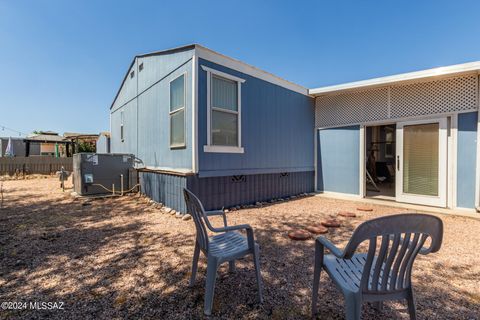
x,y
441,199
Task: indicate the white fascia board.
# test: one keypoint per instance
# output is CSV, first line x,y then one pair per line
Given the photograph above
x,y
416,75
218,58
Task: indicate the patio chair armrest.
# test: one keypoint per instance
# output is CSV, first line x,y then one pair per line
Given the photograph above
x,y
218,213
330,246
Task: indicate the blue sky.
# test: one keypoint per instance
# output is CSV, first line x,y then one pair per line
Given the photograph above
x,y
62,61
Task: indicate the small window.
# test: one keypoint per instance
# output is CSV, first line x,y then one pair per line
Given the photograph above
x,y
140,67
121,126
224,125
177,112
224,112
132,74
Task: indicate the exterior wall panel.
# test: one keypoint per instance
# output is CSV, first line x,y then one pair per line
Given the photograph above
x,y
224,192
164,188
338,167
154,124
146,115
276,129
466,159
129,143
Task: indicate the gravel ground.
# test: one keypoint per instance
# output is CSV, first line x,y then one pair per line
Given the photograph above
x,y
125,258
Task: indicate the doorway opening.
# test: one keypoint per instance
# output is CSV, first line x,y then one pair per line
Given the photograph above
x,y
380,155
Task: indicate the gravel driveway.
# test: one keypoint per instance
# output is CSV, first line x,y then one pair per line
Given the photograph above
x,y
124,258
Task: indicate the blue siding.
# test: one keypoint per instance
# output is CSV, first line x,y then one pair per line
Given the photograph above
x,y
338,164
224,192
164,188
146,115
129,143
277,129
466,159
154,125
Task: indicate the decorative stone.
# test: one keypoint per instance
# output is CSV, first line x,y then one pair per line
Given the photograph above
x,y
364,209
179,215
347,214
299,234
331,223
317,229
167,209
173,212
186,217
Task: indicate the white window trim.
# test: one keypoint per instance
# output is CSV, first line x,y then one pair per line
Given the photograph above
x,y
170,113
223,149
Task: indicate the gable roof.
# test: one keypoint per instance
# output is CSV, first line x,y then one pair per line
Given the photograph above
x,y
457,69
208,54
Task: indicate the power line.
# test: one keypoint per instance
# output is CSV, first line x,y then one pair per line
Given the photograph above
x,y
12,130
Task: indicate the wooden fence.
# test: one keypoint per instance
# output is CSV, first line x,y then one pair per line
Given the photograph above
x,y
34,165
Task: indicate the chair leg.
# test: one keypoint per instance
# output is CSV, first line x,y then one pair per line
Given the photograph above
x,y
411,304
196,255
212,267
256,257
231,266
353,307
316,276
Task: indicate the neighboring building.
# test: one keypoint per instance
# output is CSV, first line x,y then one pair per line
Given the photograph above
x,y
81,142
45,143
235,134
18,146
103,142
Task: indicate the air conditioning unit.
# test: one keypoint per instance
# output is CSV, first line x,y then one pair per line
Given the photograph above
x,y
103,173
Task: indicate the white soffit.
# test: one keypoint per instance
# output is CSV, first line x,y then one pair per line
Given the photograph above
x,y
457,69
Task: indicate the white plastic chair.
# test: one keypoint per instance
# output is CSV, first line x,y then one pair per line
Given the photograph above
x,y
227,245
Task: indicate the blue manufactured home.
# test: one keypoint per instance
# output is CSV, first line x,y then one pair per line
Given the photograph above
x,y
235,134
230,132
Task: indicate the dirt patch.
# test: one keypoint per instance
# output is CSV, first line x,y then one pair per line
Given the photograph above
x,y
124,258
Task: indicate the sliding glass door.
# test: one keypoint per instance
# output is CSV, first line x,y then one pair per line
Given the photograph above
x,y
421,162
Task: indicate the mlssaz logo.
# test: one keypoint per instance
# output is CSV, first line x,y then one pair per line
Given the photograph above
x,y
42,305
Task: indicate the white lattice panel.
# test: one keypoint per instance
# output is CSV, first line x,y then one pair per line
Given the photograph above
x,y
441,96
396,102
351,107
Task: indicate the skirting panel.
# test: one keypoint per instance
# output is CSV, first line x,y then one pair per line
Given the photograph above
x,y
225,192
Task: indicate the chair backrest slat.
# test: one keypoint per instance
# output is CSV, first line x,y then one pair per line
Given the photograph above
x,y
388,267
195,209
389,262
380,262
372,247
408,255
408,274
398,260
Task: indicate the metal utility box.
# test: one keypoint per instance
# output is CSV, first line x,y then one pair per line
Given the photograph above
x,y
91,171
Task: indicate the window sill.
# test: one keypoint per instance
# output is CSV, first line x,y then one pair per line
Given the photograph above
x,y
223,149
180,146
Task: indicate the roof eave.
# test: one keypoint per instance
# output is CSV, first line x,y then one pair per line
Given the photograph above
x,y
454,70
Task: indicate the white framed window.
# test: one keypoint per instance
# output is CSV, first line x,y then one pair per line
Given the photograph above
x,y
224,110
177,112
121,126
